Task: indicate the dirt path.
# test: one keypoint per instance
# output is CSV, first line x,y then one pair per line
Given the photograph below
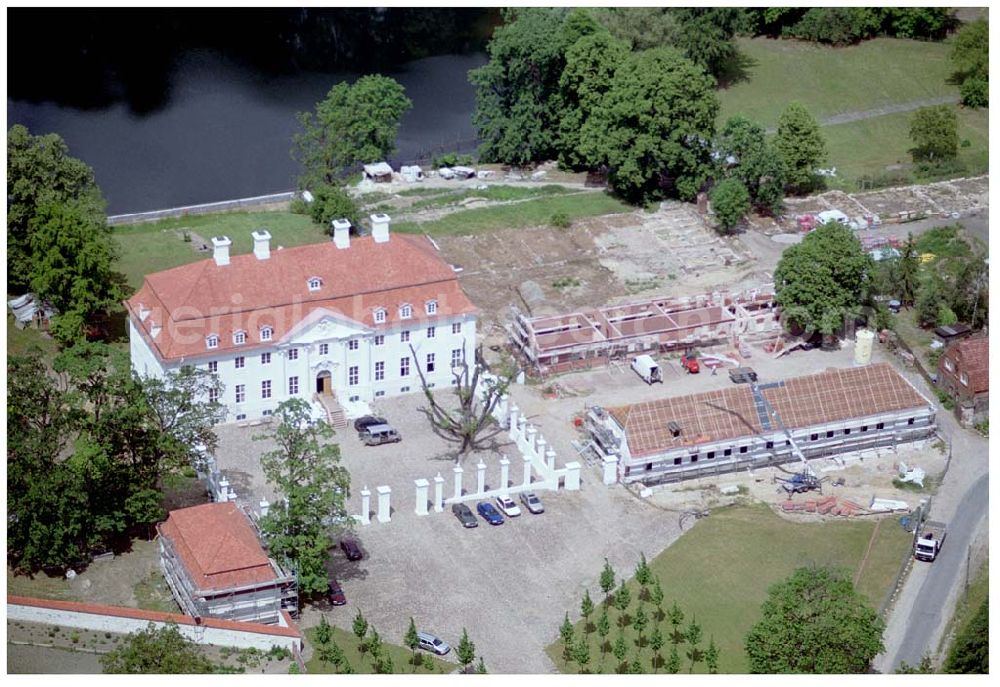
x,y
858,115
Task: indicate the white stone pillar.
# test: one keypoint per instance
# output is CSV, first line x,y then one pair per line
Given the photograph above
x,y
264,508
503,408
421,495
384,492
514,419
366,506
550,459
572,481
610,469
540,449
480,477
438,493
529,439
504,472
527,470
458,481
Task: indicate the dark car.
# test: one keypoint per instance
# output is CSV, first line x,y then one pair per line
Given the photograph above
x,y
335,594
351,549
464,515
743,375
489,513
367,421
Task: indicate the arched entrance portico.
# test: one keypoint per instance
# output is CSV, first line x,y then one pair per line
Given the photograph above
x,y
324,383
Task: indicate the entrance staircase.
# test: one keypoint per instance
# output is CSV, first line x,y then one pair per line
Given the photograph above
x,y
335,416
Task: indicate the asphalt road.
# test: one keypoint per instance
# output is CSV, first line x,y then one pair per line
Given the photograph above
x,y
927,615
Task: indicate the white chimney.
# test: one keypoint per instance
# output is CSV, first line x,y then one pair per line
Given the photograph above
x,y
341,233
380,227
221,245
262,244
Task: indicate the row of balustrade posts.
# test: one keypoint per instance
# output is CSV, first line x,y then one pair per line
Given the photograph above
x,y
538,463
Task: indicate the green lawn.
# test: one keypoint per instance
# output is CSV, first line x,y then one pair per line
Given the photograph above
x,y
348,643
720,570
158,246
494,193
20,341
829,80
968,605
868,146
517,215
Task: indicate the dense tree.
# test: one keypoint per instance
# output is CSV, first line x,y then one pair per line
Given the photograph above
x,y
654,127
730,203
566,635
359,626
907,271
934,133
656,642
72,264
161,650
41,172
305,469
355,124
477,391
824,279
587,77
673,661
619,649
706,35
745,154
641,28
330,203
839,25
814,622
930,298
623,598
581,654
970,653
971,55
801,146
517,91
603,628
639,623
185,417
693,637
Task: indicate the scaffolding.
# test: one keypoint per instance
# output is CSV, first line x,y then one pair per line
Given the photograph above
x,y
588,338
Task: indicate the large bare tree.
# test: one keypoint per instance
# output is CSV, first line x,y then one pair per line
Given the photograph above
x,y
478,391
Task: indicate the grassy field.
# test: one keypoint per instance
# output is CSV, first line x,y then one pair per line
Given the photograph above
x,y
720,570
160,245
830,81
348,643
20,341
494,193
979,591
518,215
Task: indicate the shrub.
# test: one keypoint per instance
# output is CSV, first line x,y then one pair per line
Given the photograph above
x,y
975,92
560,220
451,159
330,203
946,316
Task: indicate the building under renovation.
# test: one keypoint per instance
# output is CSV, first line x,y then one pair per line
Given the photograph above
x,y
216,568
829,413
588,338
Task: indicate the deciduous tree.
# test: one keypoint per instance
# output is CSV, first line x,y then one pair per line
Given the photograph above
x,y
730,203
712,657
971,55
934,133
654,127
330,203
814,622
970,652
355,124
586,608
824,279
801,146
157,650
745,154
305,469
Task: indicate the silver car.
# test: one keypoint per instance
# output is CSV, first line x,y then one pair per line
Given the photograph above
x,y
429,642
532,502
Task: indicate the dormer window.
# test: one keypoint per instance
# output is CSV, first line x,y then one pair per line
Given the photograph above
x,y
265,333
154,329
239,337
315,283
406,311
211,341
379,315
432,307
143,312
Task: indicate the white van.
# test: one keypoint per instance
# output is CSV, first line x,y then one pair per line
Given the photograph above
x,y
647,368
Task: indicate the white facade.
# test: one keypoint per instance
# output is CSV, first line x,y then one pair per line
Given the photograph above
x,y
360,362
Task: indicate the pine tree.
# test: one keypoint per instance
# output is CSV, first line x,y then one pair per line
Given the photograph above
x,y
712,657
693,636
603,628
656,643
620,648
607,581
412,641
643,574
674,661
676,616
622,600
466,651
586,608
481,667
639,623
656,596
324,633
581,654
360,628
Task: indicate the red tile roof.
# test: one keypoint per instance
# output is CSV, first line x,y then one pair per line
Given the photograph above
x,y
190,302
157,616
971,356
218,546
730,413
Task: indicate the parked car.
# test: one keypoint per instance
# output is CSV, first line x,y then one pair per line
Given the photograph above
x,y
464,515
335,593
368,421
376,435
489,513
428,642
532,502
742,375
351,549
508,507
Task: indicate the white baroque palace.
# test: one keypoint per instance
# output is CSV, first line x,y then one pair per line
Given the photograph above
x,y
334,319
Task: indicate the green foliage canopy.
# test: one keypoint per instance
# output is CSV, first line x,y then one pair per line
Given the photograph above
x,y
730,202
161,651
934,133
814,622
801,146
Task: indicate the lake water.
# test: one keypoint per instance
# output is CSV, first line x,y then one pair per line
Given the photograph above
x,y
226,130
